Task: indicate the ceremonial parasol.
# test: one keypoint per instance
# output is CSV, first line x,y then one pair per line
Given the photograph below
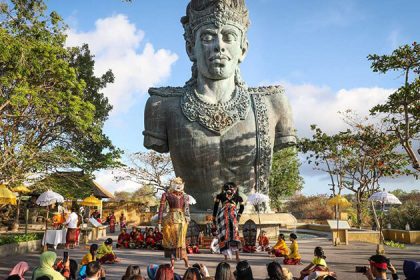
x,y
384,198
256,199
338,201
91,201
6,196
21,189
46,199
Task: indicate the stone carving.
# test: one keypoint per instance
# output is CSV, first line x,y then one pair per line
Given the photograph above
x,y
215,127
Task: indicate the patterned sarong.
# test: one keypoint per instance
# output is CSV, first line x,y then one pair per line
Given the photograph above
x,y
227,227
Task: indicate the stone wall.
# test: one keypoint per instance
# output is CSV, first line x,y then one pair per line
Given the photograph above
x,y
20,248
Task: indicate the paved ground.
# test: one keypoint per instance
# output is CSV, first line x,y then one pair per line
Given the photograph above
x,y
340,259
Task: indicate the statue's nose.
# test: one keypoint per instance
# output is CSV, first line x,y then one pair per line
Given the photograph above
x,y
219,45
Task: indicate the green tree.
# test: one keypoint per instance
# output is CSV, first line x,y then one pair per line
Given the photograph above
x,y
366,154
145,196
402,110
285,179
51,109
122,196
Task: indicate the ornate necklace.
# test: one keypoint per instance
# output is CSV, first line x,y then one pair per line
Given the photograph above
x,y
217,117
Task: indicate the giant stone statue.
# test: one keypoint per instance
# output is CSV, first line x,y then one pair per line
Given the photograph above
x,y
216,128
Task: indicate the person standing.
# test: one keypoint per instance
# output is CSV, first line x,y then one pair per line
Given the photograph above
x,y
112,220
123,221
72,226
175,224
226,219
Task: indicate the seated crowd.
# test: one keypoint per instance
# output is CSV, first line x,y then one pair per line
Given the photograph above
x,y
92,267
137,238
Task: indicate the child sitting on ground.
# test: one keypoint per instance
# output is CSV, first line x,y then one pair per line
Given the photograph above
x,y
136,238
91,255
280,249
150,238
318,263
123,239
263,242
293,257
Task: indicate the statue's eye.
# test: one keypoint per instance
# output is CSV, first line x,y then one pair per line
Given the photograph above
x,y
207,37
229,37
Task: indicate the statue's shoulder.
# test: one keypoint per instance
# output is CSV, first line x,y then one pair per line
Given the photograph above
x,y
266,90
167,91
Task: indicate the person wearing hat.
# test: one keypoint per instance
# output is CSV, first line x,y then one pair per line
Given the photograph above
x,y
378,265
105,253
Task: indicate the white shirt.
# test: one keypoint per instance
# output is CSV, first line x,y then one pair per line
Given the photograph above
x,y
72,220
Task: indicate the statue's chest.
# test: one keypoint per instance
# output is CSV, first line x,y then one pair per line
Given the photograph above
x,y
193,142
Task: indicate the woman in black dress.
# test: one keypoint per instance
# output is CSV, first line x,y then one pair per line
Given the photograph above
x,y
226,219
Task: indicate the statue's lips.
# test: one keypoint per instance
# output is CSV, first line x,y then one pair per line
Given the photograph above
x,y
219,58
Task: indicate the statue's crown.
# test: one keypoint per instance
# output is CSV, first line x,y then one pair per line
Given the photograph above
x,y
218,12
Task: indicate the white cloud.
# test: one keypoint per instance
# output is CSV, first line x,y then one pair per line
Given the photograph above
x,y
106,179
115,42
313,104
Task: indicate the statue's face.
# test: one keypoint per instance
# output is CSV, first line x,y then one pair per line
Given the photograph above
x,y
217,51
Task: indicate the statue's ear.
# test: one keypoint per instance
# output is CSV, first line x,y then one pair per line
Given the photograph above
x,y
190,51
244,50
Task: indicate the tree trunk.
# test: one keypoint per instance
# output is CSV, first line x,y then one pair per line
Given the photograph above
x,y
359,209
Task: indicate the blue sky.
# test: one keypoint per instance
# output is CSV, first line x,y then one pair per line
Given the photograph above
x,y
316,49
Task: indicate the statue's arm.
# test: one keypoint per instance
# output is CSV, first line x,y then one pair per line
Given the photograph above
x,y
285,133
155,136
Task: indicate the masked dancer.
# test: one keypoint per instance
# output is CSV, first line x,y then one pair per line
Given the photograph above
x,y
226,219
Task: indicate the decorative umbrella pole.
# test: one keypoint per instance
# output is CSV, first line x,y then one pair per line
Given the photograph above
x,y
46,199
338,201
21,190
384,198
256,199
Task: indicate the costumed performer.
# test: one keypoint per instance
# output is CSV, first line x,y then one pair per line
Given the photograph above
x,y
112,220
293,257
226,219
263,242
280,249
175,224
123,221
105,253
158,238
123,239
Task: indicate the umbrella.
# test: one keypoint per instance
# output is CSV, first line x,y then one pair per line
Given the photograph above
x,y
338,201
91,201
6,196
49,197
256,199
21,189
384,198
46,199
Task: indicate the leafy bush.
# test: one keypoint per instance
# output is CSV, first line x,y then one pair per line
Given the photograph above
x,y
310,207
16,238
408,212
393,244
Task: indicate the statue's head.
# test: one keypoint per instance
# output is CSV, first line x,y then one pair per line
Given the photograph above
x,y
215,35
